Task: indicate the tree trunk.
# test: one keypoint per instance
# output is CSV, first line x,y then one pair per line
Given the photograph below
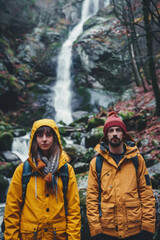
x,y
151,63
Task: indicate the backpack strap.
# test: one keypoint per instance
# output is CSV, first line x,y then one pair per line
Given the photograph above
x,y
99,162
135,162
26,174
65,178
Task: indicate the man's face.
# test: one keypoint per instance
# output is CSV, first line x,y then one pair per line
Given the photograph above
x,y
115,136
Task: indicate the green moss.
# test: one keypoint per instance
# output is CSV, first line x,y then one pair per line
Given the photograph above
x,y
95,122
63,132
85,96
6,139
55,45
126,114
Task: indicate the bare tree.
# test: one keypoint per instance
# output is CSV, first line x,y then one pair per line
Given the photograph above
x,y
151,64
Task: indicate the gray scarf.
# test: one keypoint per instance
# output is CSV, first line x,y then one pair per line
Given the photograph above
x,y
51,163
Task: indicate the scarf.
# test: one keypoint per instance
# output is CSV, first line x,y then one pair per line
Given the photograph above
x,y
48,166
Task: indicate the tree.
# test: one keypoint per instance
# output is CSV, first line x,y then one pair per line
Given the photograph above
x,y
144,28
151,64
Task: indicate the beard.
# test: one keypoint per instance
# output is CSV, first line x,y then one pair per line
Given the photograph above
x,y
116,143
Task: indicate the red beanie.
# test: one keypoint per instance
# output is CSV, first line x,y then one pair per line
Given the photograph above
x,y
114,120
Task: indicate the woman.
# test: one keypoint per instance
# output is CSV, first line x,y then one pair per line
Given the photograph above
x,y
43,214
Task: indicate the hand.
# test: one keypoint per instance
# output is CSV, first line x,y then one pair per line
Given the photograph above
x,y
98,237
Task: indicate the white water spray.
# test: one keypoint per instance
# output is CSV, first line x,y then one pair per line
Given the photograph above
x,y
20,146
62,88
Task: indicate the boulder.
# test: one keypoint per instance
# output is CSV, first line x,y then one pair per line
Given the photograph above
x,y
93,138
6,140
4,183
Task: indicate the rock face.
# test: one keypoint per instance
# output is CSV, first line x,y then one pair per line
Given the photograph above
x,y
98,52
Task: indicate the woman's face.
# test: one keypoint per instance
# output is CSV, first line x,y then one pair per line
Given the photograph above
x,y
45,141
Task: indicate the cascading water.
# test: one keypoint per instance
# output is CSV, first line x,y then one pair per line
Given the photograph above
x,y
62,96
20,146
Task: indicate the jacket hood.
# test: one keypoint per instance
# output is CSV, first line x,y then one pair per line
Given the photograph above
x,y
50,123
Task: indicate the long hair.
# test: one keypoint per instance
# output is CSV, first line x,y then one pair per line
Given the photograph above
x,y
54,148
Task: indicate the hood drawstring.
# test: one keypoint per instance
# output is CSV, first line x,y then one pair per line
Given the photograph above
x,y
55,185
35,235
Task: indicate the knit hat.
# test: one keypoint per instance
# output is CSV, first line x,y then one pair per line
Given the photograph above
x,y
114,120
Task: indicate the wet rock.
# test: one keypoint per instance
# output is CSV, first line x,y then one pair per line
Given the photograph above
x,y
93,138
95,122
9,156
81,167
4,183
6,140
75,151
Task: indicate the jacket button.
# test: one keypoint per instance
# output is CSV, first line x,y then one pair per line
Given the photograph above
x,y
47,210
47,195
46,229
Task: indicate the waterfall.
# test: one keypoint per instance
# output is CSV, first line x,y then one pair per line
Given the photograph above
x,y
62,88
20,146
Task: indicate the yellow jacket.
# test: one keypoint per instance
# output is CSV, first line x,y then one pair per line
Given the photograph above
x,y
43,214
127,200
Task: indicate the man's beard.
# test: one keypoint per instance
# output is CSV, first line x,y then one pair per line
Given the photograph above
x,y
115,144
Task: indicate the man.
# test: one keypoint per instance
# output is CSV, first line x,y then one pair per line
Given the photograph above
x,y
127,206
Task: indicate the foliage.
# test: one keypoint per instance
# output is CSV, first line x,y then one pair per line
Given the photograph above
x,y
156,181
16,16
140,20
89,154
127,114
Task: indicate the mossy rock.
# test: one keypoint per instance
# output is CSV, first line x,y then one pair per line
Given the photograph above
x,y
82,181
4,183
83,119
7,169
93,138
6,140
77,137
156,181
63,132
95,122
126,115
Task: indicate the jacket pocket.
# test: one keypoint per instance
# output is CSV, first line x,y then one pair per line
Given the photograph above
x,y
108,215
59,230
134,214
28,231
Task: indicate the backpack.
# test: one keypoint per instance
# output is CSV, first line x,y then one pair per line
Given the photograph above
x,y
99,162
27,173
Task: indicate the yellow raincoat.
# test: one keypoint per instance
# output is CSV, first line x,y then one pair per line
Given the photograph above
x,y
43,214
127,200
